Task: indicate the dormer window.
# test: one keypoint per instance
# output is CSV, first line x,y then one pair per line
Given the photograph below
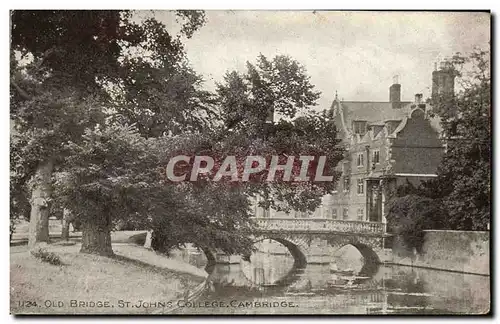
x,y
389,128
359,127
391,125
377,129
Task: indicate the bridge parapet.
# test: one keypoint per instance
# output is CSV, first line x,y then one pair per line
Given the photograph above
x,y
319,225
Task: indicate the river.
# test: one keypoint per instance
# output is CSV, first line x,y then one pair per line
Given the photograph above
x,y
269,284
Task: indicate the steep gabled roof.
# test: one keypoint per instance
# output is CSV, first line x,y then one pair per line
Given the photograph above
x,y
373,111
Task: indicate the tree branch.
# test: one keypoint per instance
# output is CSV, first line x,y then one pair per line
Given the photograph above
x,y
21,92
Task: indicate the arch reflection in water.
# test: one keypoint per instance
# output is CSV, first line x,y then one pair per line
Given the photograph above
x,y
272,264
319,290
355,259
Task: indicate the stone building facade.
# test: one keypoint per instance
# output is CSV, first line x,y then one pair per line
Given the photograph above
x,y
387,144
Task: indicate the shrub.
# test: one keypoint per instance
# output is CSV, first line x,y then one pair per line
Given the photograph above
x,y
46,256
409,215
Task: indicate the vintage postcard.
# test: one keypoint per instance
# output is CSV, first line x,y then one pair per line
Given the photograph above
x,y
203,162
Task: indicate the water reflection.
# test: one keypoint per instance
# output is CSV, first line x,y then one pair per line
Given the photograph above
x,y
337,288
271,265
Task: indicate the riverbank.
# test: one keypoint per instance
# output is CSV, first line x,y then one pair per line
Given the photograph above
x,y
135,281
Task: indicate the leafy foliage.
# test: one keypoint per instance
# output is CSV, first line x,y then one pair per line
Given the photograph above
x,y
278,87
110,98
106,174
410,214
208,216
463,185
217,214
71,70
464,176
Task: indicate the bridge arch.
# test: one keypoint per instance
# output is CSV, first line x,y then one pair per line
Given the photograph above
x,y
296,248
371,260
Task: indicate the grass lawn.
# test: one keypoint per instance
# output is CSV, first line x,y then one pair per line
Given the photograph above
x,y
55,229
135,274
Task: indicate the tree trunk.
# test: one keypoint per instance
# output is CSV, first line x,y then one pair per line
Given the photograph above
x,y
66,220
40,204
96,236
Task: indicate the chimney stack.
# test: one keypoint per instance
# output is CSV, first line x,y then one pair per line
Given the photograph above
x,y
418,98
395,93
443,79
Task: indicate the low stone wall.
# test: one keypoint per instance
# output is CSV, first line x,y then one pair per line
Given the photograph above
x,y
463,251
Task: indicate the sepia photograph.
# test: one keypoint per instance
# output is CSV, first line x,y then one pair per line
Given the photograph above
x,y
250,162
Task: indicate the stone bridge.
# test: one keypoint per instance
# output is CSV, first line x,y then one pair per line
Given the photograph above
x,y
308,239
301,237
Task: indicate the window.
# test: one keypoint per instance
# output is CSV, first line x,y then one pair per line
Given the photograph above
x,y
359,127
347,183
376,156
361,161
346,167
266,213
361,186
361,214
345,213
334,213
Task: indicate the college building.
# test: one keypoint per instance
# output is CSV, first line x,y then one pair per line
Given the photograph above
x,y
387,143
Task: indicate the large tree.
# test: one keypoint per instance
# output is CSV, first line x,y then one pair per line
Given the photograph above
x,y
133,72
110,174
68,69
210,214
464,176
217,214
463,185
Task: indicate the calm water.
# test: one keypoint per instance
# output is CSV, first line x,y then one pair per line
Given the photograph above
x,y
269,284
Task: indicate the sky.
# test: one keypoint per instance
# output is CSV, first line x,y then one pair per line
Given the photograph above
x,y
356,54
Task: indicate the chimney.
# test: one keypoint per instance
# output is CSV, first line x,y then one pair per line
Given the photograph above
x,y
443,79
395,93
418,98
